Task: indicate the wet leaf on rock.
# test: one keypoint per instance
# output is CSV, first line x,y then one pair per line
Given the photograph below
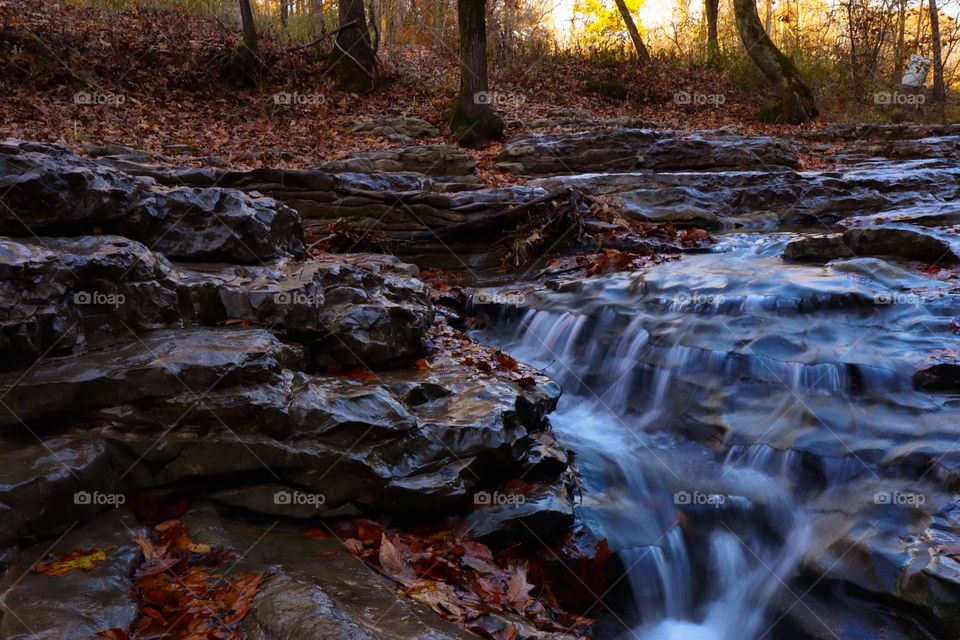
x,y
60,564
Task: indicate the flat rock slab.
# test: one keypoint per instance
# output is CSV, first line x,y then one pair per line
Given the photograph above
x,y
77,605
46,188
635,149
397,128
899,241
431,160
155,364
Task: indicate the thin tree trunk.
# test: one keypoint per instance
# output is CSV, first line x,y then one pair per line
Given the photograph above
x,y
284,12
899,61
474,123
768,18
353,58
939,90
642,52
711,9
796,100
249,28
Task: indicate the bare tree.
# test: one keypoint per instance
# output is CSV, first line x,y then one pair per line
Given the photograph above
x,y
249,28
353,58
473,121
711,10
796,100
642,52
939,90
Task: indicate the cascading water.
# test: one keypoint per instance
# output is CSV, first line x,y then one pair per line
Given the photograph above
x,y
689,392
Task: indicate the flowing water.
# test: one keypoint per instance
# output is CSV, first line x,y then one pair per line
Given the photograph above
x,y
711,400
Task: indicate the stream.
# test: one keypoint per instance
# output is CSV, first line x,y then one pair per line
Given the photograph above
x,y
720,405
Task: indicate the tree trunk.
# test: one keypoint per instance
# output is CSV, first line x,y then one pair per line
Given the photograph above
x,y
284,12
768,18
796,100
473,122
711,9
642,52
354,62
249,28
898,55
939,90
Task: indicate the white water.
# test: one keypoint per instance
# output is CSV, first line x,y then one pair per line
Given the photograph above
x,y
639,370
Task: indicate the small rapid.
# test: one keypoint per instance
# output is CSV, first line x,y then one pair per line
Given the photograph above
x,y
707,399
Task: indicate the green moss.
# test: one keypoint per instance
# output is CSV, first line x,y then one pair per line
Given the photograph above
x,y
475,133
771,114
608,89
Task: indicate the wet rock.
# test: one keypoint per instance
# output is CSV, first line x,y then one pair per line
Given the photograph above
x,y
635,149
900,241
351,315
533,514
52,190
424,220
49,486
312,597
398,128
431,160
58,289
943,376
77,605
154,364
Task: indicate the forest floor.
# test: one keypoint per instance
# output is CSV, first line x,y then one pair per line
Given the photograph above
x,y
158,83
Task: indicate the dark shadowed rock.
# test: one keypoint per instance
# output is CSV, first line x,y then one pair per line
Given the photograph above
x,y
397,128
431,160
50,190
77,605
155,364
899,241
58,289
635,149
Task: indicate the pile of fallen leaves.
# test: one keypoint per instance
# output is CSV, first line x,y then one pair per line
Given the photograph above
x,y
489,593
184,590
447,343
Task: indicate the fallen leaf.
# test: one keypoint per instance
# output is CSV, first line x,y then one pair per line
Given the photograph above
x,y
59,564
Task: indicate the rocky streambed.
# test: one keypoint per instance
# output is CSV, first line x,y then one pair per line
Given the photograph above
x,y
762,430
